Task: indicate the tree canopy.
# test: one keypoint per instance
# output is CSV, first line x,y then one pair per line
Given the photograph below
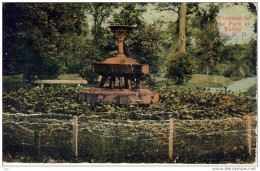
x,y
42,40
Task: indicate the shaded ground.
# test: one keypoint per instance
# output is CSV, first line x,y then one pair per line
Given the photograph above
x,y
202,81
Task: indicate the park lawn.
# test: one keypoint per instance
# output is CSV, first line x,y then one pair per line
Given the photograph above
x,y
215,81
14,78
13,83
251,91
198,82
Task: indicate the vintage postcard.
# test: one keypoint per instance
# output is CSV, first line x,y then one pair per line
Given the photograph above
x,y
130,83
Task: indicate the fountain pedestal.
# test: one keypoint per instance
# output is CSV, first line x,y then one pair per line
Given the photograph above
x,y
128,72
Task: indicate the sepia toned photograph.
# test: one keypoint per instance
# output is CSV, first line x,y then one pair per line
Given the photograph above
x,y
129,83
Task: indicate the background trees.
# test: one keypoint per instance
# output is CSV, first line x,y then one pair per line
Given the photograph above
x,y
42,40
41,35
208,43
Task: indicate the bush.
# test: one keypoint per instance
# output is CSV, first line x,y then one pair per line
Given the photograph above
x,y
87,73
238,70
181,67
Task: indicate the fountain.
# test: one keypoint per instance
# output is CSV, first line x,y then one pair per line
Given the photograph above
x,y
124,71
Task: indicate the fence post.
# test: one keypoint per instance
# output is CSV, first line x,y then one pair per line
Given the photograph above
x,y
171,127
248,128
75,136
37,144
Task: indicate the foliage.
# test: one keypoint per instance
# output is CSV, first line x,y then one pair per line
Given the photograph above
x,y
99,12
133,128
181,67
208,44
208,49
129,15
181,105
213,54
14,82
171,32
239,60
43,32
144,43
173,6
206,105
100,43
95,53
251,91
47,39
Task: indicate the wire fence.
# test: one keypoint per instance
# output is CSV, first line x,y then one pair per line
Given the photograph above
x,y
68,138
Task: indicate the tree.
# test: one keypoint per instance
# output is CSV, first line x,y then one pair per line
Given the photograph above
x,y
181,66
208,44
238,60
190,9
180,26
143,44
100,12
182,29
44,30
130,14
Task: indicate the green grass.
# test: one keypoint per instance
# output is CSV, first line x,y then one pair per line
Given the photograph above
x,y
198,81
17,78
14,82
251,91
215,81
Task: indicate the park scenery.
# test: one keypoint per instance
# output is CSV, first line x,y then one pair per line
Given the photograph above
x,y
169,83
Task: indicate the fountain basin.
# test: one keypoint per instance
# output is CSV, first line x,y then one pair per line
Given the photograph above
x,y
119,96
120,69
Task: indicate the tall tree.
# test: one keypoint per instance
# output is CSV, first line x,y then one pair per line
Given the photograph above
x,y
182,28
100,12
191,9
208,43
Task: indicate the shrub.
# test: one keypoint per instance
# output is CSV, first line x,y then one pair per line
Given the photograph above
x,y
181,67
238,71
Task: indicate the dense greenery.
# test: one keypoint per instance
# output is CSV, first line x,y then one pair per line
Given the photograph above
x,y
46,39
39,37
181,67
182,105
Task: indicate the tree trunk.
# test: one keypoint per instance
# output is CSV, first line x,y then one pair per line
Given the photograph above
x,y
182,27
207,70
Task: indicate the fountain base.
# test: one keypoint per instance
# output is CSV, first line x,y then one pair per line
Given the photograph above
x,y
119,96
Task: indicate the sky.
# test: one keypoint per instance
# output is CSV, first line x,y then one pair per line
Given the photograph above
x,y
151,14
244,27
